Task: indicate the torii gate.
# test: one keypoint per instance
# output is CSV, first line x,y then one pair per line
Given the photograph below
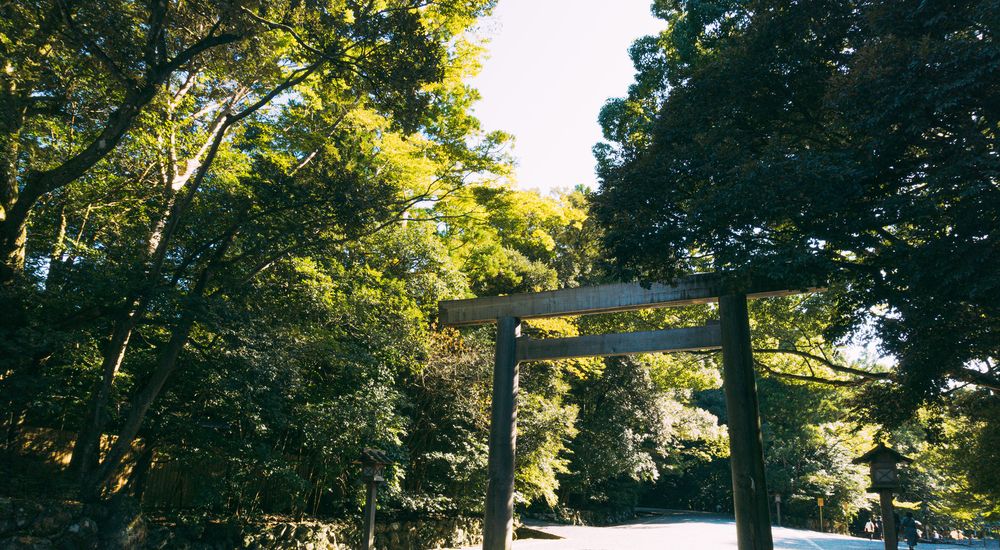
x,y
732,335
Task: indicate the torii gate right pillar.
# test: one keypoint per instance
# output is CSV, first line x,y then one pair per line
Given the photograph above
x,y
746,449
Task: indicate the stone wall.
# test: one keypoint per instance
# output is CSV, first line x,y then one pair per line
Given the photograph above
x,y
597,518
30,525
424,534
308,535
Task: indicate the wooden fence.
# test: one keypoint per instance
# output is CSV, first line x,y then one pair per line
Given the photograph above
x,y
169,483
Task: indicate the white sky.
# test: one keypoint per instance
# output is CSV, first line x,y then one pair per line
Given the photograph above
x,y
551,66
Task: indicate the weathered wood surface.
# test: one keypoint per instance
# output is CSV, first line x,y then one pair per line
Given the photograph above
x,y
603,345
498,525
888,520
746,448
694,289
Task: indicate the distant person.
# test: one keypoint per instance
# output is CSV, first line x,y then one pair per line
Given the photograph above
x,y
909,529
870,529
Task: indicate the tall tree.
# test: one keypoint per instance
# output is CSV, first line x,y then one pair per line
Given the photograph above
x,y
76,77
851,142
318,126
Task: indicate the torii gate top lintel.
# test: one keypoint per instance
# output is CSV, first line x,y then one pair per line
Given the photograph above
x,y
694,289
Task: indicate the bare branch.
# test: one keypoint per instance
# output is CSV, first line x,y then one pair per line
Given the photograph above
x,y
978,378
816,379
829,364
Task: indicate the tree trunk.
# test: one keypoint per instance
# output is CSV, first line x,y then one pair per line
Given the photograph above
x,y
121,525
94,483
136,485
85,451
58,247
11,117
87,447
15,421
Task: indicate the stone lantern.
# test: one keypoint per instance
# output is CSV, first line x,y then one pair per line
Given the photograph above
x,y
884,462
373,462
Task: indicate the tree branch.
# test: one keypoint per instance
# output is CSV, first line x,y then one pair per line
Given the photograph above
x,y
829,364
981,379
98,52
806,378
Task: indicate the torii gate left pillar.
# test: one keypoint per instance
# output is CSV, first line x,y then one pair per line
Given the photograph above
x,y
498,524
732,335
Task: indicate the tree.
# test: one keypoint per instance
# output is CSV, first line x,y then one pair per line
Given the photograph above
x,y
954,449
635,429
212,193
846,142
809,445
85,71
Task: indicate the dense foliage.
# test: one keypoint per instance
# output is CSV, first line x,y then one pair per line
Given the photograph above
x,y
853,143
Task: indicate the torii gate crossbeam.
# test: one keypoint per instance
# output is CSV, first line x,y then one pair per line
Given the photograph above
x,y
732,335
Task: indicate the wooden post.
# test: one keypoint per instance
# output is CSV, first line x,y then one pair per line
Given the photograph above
x,y
368,535
746,449
888,520
777,507
498,527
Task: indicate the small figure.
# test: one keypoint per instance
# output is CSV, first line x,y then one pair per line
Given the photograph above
x,y
909,528
870,529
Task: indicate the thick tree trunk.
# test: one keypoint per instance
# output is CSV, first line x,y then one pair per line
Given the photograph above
x,y
12,251
121,525
136,485
11,118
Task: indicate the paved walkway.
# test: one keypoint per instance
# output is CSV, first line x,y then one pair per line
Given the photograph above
x,y
697,532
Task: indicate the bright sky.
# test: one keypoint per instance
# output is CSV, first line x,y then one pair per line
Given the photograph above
x,y
552,64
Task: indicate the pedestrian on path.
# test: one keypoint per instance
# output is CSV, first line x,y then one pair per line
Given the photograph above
x,y
870,529
909,528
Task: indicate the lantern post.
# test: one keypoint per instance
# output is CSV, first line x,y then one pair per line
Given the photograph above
x,y
373,461
883,462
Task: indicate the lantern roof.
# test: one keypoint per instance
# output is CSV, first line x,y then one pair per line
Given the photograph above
x,y
375,456
881,453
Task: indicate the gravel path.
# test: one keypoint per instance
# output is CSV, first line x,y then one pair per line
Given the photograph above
x,y
695,531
